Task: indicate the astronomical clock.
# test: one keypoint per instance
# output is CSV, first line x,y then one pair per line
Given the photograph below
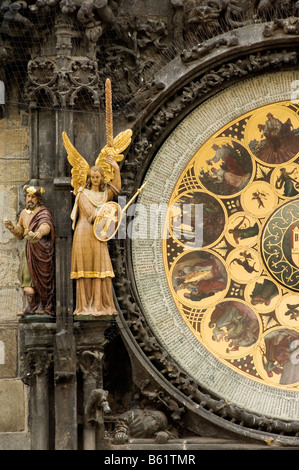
x,y
219,277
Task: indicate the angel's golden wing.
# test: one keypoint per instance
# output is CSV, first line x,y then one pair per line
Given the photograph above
x,y
80,167
120,143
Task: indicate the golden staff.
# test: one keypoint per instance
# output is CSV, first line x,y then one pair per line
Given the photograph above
x,y
109,113
132,199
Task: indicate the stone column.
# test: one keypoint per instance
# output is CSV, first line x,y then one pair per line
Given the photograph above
x,y
37,361
65,391
90,363
40,396
90,343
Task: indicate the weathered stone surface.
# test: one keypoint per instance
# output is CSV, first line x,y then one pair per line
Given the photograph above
x,y
14,139
10,263
14,170
15,441
188,445
11,302
8,204
8,352
12,405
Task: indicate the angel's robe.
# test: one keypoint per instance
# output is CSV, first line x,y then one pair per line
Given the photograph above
x,y
91,265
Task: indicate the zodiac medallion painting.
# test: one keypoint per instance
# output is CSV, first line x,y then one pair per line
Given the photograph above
x,y
272,134
233,326
198,277
239,291
91,266
227,167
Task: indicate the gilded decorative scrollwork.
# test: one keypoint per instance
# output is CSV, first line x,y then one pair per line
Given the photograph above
x,y
239,291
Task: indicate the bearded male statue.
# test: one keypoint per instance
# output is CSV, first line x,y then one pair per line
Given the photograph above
x,y
36,226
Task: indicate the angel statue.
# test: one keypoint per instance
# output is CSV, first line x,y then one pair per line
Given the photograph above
x,y
91,266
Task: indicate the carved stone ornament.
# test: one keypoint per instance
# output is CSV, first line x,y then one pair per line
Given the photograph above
x,y
63,85
83,56
36,363
138,423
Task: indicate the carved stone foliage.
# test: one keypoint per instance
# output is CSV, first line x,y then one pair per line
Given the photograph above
x,y
207,18
73,46
70,50
36,363
63,85
90,363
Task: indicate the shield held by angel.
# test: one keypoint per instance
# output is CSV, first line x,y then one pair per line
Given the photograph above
x,y
94,188
83,175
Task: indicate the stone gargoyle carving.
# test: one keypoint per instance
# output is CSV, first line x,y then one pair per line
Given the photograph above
x,y
138,423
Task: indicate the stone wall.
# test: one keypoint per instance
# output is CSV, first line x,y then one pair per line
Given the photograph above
x,y
14,171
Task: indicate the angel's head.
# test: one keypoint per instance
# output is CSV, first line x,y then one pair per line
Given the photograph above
x,y
95,179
